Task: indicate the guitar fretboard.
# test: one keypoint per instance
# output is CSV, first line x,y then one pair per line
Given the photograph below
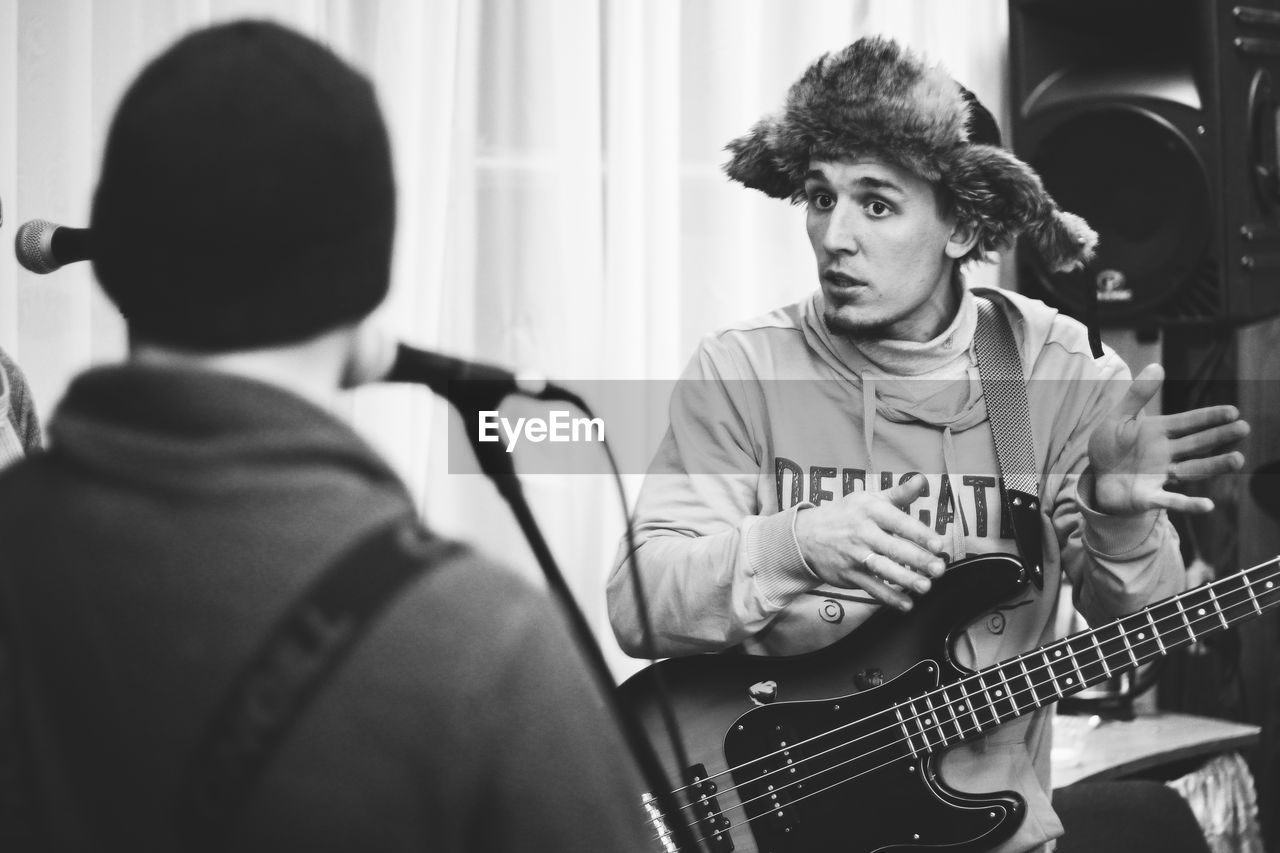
x,y
974,705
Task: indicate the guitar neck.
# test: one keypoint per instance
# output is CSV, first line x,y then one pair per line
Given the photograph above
x,y
979,702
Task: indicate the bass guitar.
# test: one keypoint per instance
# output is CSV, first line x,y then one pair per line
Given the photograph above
x,y
838,749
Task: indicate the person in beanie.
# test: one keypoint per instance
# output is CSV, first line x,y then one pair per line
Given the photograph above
x,y
194,494
778,516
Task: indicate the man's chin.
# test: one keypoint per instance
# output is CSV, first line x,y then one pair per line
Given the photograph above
x,y
847,321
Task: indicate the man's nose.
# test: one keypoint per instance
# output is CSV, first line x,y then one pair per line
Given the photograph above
x,y
840,236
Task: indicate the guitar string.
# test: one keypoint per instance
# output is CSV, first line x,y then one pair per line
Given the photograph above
x,y
1246,603
1032,689
1035,668
925,727
1145,658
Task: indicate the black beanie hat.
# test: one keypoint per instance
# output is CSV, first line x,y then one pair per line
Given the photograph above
x,y
246,196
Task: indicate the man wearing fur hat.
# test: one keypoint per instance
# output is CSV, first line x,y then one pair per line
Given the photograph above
x,y
779,515
168,590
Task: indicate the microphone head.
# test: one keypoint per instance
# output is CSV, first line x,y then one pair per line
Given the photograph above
x,y
33,245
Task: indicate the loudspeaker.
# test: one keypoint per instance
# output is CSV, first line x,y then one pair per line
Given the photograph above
x,y
1155,120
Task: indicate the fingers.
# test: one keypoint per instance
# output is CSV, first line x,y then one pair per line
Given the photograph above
x,y
1181,503
1200,469
877,578
882,592
865,540
1185,423
1206,440
903,494
1141,391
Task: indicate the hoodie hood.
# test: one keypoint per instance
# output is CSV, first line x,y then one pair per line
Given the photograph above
x,y
934,382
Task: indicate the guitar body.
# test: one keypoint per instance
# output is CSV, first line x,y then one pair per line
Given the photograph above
x,y
805,753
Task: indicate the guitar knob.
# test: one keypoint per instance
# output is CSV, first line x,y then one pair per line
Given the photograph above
x,y
763,692
865,679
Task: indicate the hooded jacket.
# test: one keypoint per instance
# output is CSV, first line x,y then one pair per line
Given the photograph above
x,y
776,414
176,516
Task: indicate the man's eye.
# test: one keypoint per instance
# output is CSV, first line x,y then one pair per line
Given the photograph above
x,y
878,208
822,201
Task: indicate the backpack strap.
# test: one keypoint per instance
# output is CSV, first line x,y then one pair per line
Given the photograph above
x,y
295,659
1004,388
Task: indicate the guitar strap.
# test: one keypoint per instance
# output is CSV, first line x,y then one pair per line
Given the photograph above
x,y
1004,388
295,659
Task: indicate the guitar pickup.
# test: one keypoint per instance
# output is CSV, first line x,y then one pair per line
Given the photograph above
x,y
711,821
763,745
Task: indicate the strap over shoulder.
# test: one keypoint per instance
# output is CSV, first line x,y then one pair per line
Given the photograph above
x,y
1004,388
295,659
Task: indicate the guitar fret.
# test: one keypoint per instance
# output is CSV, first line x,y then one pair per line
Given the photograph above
x,y
1155,632
1125,639
951,710
1036,701
924,733
1053,678
1248,587
991,705
1182,611
1217,607
902,723
1013,700
1102,657
1071,654
968,700
935,716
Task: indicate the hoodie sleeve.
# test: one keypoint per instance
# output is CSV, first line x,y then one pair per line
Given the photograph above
x,y
714,570
1116,564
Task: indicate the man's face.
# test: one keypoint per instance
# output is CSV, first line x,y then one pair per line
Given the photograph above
x,y
884,248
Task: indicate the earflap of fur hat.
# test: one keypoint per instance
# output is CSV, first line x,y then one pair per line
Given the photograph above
x,y
1003,198
754,162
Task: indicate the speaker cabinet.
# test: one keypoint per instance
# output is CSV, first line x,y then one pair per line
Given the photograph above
x,y
1155,120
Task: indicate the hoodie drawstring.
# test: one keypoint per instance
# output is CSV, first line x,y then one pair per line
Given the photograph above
x,y
959,523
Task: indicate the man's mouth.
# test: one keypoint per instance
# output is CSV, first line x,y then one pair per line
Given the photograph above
x,y
842,281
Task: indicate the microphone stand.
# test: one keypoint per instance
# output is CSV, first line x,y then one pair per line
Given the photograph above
x,y
497,465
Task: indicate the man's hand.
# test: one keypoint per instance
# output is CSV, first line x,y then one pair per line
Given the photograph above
x,y
865,541
1133,458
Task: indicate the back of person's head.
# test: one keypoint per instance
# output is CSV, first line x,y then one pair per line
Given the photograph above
x,y
246,197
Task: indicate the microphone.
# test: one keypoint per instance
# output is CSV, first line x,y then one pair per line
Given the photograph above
x,y
469,385
42,246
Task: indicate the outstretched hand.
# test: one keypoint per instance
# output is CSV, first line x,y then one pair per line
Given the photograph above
x,y
865,541
1134,457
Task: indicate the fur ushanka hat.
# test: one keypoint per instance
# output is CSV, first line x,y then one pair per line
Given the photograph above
x,y
875,98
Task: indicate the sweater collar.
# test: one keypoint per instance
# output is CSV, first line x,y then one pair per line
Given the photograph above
x,y
164,424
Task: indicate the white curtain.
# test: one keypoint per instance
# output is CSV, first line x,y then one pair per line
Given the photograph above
x,y
561,205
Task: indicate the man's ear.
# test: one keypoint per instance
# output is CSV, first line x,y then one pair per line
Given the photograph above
x,y
370,354
964,236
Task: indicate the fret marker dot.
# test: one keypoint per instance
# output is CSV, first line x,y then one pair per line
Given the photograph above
x,y
1070,680
960,707
1142,635
1270,584
929,720
1200,612
999,692
1058,653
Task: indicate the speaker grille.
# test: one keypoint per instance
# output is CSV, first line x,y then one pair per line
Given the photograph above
x,y
1142,186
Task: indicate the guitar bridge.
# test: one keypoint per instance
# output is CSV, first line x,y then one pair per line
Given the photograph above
x,y
659,823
